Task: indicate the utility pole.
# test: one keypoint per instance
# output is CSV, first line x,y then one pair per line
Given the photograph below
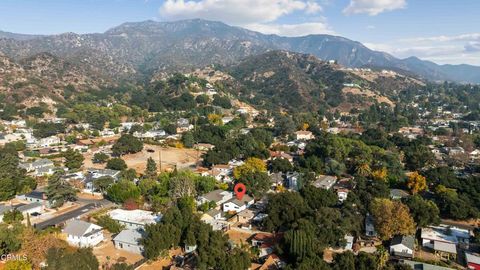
x,y
160,158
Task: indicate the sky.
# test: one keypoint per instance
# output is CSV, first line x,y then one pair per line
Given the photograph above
x,y
442,31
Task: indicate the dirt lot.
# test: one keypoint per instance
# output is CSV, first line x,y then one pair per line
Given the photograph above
x,y
171,157
161,263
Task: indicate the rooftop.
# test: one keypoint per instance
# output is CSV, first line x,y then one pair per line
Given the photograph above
x,y
445,247
129,236
134,216
78,227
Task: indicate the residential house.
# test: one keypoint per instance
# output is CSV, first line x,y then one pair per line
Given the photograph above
x,y
342,187
402,246
265,242
203,146
129,240
293,181
83,234
303,135
276,179
325,181
349,240
214,214
222,173
445,250
31,208
93,174
134,219
281,154
472,260
474,155
150,134
423,266
48,141
218,196
183,125
35,196
398,194
236,205
244,217
445,234
37,164
227,119
370,226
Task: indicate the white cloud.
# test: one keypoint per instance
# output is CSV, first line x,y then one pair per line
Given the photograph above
x,y
292,30
373,7
237,12
257,15
455,49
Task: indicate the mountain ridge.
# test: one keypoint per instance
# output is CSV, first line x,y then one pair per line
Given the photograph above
x,y
144,48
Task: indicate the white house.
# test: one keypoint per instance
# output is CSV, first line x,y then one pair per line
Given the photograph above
x,y
444,234
134,219
129,240
402,246
304,135
37,164
235,205
48,141
83,234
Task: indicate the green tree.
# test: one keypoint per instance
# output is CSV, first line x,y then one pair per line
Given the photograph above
x,y
424,212
318,197
280,165
110,224
73,159
12,216
102,183
116,164
127,144
100,157
151,169
122,191
188,140
61,258
59,191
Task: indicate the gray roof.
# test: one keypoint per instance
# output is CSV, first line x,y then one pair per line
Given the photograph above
x,y
424,266
215,195
408,241
398,193
445,247
472,258
213,212
325,181
29,206
131,237
76,227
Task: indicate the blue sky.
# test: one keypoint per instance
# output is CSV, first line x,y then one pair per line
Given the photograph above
x,y
439,30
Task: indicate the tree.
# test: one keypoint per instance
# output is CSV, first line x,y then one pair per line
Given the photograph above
x,y
391,218
10,238
127,144
220,101
60,258
12,216
256,183
151,169
73,159
110,224
116,164
284,209
18,265
251,165
205,184
424,212
280,165
416,182
344,261
100,157
102,183
59,191
182,185
188,140
318,197
122,191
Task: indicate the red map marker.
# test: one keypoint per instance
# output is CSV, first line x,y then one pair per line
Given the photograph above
x,y
239,190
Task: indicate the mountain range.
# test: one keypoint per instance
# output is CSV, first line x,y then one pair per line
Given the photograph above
x,y
143,49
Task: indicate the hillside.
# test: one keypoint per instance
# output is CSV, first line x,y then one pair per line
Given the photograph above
x,y
293,81
138,50
44,75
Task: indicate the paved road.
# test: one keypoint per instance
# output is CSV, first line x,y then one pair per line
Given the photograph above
x,y
64,217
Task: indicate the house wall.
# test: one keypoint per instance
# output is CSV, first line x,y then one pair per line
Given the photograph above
x,y
90,241
138,249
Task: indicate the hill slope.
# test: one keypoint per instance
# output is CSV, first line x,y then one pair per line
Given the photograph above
x,y
144,48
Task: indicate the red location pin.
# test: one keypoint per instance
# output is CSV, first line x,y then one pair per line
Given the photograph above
x,y
239,190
